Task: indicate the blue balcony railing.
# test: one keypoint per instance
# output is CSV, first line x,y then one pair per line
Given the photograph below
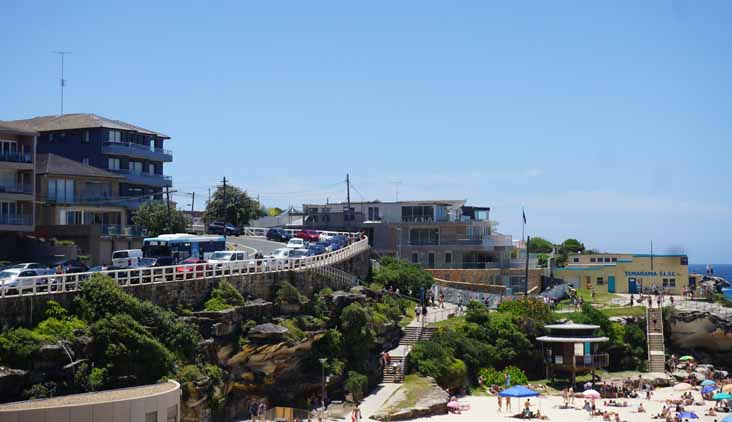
x,y
149,179
16,157
137,150
24,189
16,220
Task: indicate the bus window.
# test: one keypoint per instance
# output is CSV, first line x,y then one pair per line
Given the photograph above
x,y
155,249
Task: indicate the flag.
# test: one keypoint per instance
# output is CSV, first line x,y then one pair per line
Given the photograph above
x,y
524,214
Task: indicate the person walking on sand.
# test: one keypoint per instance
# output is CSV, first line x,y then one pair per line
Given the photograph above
x,y
500,402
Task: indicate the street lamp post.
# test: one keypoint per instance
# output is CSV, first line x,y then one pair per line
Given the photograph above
x,y
323,361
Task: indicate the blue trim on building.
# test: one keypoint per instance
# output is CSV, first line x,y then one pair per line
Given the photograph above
x,y
656,255
591,267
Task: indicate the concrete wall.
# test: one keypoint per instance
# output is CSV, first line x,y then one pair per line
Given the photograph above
x,y
132,409
493,276
29,310
89,239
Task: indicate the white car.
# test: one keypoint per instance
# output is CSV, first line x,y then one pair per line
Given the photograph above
x,y
18,278
222,257
324,237
296,243
126,258
28,266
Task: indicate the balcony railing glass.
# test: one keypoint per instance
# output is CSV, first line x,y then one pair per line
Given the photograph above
x,y
139,147
16,220
25,189
124,231
16,157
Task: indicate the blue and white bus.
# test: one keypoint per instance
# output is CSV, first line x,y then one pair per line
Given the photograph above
x,y
173,248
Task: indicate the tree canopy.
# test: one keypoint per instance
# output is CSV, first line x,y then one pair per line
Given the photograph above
x,y
402,275
153,217
240,208
540,245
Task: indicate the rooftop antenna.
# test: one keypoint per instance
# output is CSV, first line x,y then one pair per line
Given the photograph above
x,y
396,182
63,81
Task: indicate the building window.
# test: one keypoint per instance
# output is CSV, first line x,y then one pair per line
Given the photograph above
x,y
172,413
61,190
136,167
600,281
151,168
415,257
50,137
592,259
152,144
615,259
85,161
151,416
607,259
113,163
418,214
431,260
669,282
575,259
424,237
114,136
85,137
374,214
448,257
684,260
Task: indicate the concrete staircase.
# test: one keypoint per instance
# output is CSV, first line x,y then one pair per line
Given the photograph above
x,y
656,349
394,373
411,335
427,333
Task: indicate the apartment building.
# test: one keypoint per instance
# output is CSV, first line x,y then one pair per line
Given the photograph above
x,y
17,158
135,153
434,233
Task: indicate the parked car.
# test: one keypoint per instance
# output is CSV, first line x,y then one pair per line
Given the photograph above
x,y
324,237
221,257
326,246
27,266
296,243
309,235
126,257
19,278
100,268
278,234
189,267
218,227
316,249
298,253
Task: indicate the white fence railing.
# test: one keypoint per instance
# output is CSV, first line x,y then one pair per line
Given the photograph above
x,y
262,232
60,283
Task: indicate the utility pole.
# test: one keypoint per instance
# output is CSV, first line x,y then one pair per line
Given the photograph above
x,y
209,197
526,283
224,187
193,201
348,191
63,81
167,201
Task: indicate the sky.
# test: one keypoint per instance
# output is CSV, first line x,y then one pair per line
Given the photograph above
x,y
608,121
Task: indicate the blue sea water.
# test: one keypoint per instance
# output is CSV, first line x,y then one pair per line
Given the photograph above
x,y
720,270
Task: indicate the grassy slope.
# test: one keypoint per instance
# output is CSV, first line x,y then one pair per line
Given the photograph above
x,y
413,388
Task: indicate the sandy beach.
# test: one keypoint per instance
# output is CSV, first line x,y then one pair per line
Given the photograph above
x,y
486,409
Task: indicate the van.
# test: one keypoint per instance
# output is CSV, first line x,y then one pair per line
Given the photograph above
x,y
126,258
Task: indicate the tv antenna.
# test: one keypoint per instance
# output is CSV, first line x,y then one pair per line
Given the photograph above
x,y
396,182
62,80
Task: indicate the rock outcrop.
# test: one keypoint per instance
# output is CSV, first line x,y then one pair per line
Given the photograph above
x,y
430,403
705,334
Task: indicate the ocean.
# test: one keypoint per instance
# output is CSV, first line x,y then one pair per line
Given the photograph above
x,y
720,270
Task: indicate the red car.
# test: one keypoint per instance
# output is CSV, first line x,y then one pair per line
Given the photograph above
x,y
308,235
188,268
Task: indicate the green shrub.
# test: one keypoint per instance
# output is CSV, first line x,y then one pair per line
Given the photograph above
x,y
402,275
356,384
53,328
97,379
228,294
294,332
18,345
325,292
288,294
215,304
493,377
455,375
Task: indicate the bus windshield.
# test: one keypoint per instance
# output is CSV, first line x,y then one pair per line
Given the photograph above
x,y
156,249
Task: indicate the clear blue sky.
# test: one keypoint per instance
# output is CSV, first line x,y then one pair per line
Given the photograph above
x,y
608,121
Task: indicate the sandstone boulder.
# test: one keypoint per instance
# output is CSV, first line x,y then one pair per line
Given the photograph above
x,y
268,333
12,381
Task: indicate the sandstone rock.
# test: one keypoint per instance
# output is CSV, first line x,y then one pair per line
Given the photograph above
x,y
342,299
268,333
434,402
51,356
12,381
221,329
258,310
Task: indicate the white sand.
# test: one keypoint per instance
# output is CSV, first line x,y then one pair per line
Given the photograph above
x,y
485,409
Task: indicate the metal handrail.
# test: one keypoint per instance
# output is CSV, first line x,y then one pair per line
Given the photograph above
x,y
49,284
139,146
262,232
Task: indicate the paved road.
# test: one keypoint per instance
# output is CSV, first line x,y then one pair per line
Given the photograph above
x,y
248,243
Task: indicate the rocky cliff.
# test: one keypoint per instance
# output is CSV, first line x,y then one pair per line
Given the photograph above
x,y
705,334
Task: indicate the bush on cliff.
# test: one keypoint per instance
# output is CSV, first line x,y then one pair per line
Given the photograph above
x,y
224,296
402,275
356,384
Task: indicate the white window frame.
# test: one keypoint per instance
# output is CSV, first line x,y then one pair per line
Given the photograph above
x,y
113,163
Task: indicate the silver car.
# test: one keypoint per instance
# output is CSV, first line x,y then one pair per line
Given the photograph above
x,y
19,279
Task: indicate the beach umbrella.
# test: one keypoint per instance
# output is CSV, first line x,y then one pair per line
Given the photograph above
x,y
708,382
722,396
727,418
727,388
687,415
685,358
518,391
591,394
682,387
708,389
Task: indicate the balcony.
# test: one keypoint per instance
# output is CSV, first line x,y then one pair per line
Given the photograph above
x,y
586,362
19,192
129,149
16,157
121,231
147,179
16,222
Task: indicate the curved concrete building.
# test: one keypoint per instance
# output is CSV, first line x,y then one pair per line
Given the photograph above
x,y
149,403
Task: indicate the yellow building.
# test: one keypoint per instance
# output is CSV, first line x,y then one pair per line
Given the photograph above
x,y
626,273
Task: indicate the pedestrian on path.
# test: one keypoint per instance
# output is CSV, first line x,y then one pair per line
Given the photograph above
x,y
508,404
500,402
417,311
424,313
356,414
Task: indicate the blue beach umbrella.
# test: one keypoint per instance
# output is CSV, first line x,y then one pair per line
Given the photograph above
x,y
722,396
518,391
687,415
727,418
708,389
708,382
